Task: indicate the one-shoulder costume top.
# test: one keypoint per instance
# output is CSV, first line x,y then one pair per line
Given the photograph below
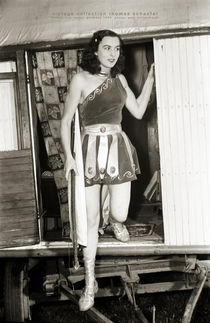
x,y
109,156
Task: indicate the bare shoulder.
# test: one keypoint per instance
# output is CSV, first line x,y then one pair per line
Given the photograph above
x,y
80,79
123,80
77,79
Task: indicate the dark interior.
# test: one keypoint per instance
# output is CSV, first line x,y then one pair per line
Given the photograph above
x,y
137,129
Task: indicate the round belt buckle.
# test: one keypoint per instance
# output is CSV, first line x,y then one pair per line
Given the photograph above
x,y
103,129
112,169
90,170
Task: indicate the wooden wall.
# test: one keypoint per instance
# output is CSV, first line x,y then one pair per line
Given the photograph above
x,y
18,220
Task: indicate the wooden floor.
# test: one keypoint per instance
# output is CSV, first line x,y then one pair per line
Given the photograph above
x,y
145,225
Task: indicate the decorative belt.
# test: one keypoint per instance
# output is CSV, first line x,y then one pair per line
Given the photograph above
x,y
101,129
106,157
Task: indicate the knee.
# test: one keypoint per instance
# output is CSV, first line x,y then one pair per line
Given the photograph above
x,y
120,218
119,215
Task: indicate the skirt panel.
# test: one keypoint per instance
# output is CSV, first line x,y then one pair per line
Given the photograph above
x,y
109,158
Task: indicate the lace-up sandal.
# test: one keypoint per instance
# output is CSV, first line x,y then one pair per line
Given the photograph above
x,y
120,231
86,300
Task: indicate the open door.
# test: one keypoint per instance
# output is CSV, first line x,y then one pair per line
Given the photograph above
x,y
52,74
182,69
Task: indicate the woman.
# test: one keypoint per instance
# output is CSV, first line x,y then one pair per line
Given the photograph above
x,y
100,92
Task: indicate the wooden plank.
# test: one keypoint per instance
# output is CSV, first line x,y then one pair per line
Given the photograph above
x,y
185,125
167,171
180,146
16,222
24,226
194,184
15,153
18,217
92,312
18,186
163,287
24,230
16,176
17,204
24,240
29,195
200,143
165,265
18,242
17,225
14,215
15,161
8,75
62,248
141,289
20,234
170,148
203,111
19,228
19,212
194,298
205,43
21,72
15,168
5,56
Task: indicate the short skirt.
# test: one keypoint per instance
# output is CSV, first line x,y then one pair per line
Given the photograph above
x,y
109,156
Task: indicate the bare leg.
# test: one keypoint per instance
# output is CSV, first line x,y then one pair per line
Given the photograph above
x,y
119,204
120,200
105,192
105,207
92,194
93,213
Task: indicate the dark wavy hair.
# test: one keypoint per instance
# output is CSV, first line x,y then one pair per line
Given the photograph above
x,y
90,62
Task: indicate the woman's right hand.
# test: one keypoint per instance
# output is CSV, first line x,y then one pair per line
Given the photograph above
x,y
151,71
70,164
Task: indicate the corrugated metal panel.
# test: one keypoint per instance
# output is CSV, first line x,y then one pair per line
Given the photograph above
x,y
183,97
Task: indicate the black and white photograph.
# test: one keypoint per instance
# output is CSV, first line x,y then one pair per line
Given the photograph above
x,y
105,161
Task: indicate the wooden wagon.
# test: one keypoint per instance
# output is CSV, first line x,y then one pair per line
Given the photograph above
x,y
41,47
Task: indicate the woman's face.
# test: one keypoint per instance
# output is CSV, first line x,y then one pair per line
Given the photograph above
x,y
108,52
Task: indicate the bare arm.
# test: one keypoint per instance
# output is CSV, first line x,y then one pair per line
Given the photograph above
x,y
71,103
137,107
